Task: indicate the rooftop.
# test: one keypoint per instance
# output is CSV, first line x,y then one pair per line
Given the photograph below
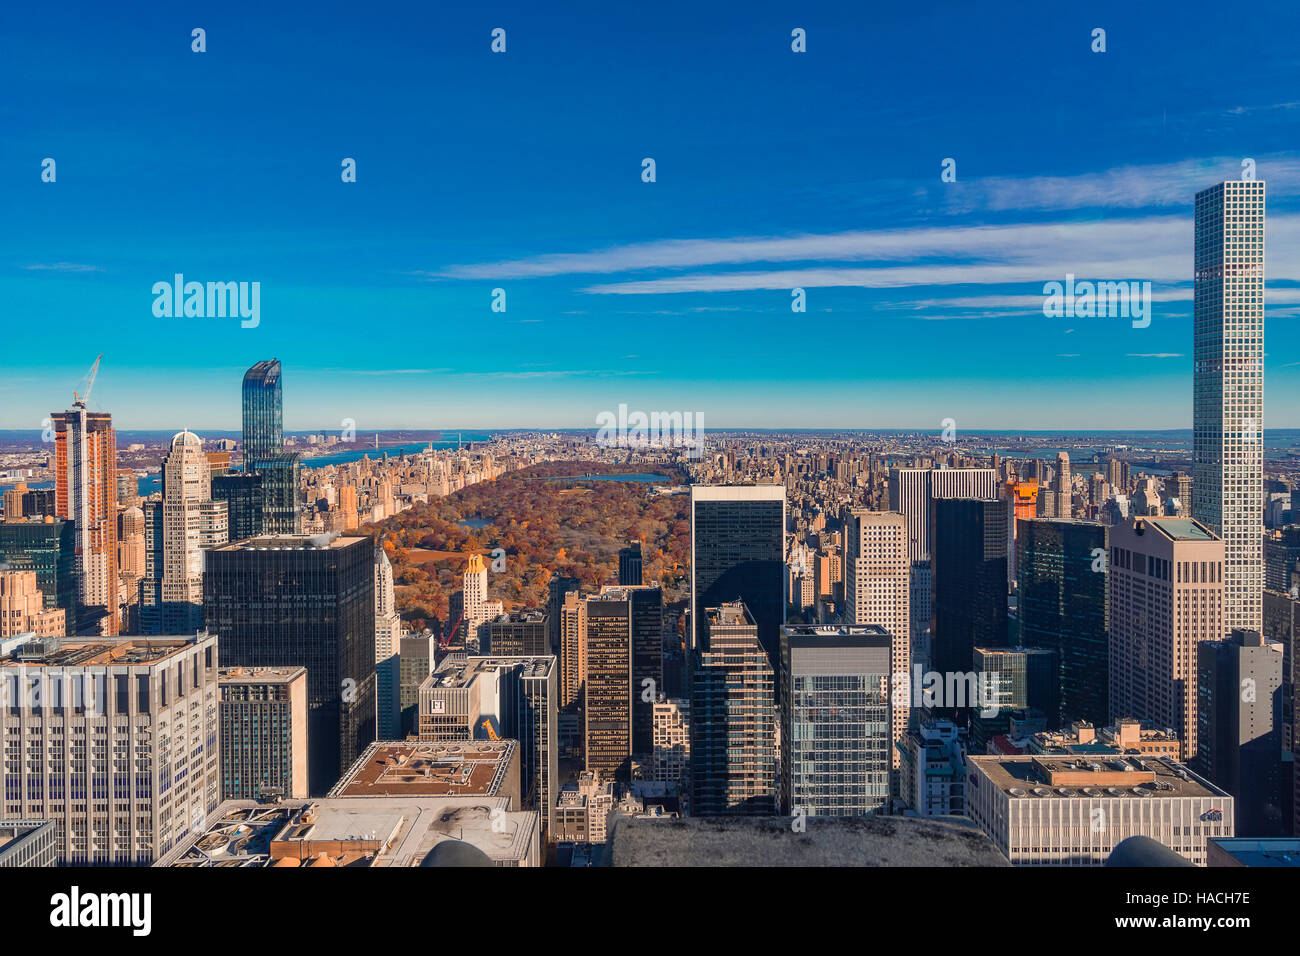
x,y
826,841
455,768
259,675
1080,776
1179,529
292,542
348,831
85,652
1247,851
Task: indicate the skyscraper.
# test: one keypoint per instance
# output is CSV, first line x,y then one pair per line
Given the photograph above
x,y
1239,732
1228,388
263,407
264,453
192,522
630,571
968,538
297,600
48,547
1064,606
609,691
263,715
738,554
388,652
1064,502
85,453
733,717
877,591
912,490
1166,597
835,726
147,706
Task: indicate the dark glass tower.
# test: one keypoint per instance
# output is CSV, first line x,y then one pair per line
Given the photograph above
x,y
738,554
646,606
242,492
630,571
264,455
263,411
295,600
1064,606
968,554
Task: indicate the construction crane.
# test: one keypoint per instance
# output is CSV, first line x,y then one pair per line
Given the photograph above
x,y
79,401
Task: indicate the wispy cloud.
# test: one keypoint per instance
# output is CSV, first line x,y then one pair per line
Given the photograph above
x,y
63,267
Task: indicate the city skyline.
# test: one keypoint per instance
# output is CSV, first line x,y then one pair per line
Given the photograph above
x,y
823,173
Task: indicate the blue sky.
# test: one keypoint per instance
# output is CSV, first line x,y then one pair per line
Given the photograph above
x,y
522,171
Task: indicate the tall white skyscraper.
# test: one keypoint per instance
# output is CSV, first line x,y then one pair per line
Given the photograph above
x,y
191,522
1228,388
388,659
876,591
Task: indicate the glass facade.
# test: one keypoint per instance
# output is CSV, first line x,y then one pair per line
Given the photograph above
x,y
1064,606
263,411
49,549
835,722
968,541
279,602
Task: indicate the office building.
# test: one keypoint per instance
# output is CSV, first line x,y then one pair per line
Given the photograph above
x,y
630,572
519,633
191,523
607,735
733,717
912,490
418,656
28,843
877,591
297,600
557,589
1064,605
573,649
262,714
150,705
836,734
1073,811
969,579
388,652
1228,389
1282,558
244,498
23,610
932,771
1239,733
670,757
85,453
738,554
1064,494
1166,597
1011,682
500,697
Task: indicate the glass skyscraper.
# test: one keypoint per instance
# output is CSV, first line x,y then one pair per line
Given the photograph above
x,y
1063,606
968,542
296,600
835,725
263,411
264,454
738,554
